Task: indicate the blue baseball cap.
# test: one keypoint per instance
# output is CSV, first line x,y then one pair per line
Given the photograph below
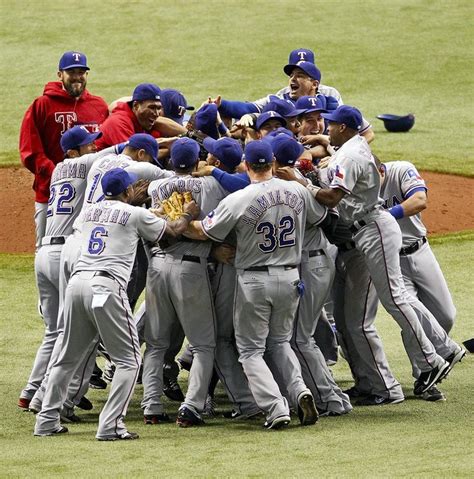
x,y
283,107
206,120
73,60
309,68
116,181
174,104
308,104
269,115
397,123
286,149
146,91
226,150
77,136
184,153
258,152
346,114
278,131
144,141
300,55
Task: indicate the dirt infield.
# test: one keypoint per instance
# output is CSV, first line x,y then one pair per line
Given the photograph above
x,y
451,202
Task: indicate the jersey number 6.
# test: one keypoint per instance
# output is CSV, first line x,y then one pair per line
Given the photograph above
x,y
273,235
96,243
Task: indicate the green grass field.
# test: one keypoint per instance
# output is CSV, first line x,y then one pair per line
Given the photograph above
x,y
384,56
412,439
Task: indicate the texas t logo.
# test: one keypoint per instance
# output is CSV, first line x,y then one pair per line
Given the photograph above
x,y
302,56
76,56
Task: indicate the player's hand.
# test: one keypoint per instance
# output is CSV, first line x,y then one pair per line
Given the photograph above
x,y
140,193
160,212
206,170
286,173
247,120
192,208
224,253
323,163
217,100
166,142
314,140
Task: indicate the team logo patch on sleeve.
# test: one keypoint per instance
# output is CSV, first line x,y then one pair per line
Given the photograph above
x,y
208,221
339,173
414,174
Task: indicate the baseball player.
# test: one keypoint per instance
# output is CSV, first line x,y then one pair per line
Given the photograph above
x,y
68,184
178,289
354,188
268,218
405,195
96,302
64,103
317,273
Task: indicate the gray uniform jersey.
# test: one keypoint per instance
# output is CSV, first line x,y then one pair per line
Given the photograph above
x,y
67,190
353,170
269,219
109,243
401,181
322,89
206,192
143,170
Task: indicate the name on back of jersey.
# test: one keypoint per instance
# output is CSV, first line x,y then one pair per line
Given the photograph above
x,y
180,185
68,170
101,213
269,199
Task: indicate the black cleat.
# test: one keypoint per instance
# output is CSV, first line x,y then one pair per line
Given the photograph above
x,y
455,358
156,418
376,400
354,393
278,423
85,404
172,389
433,395
188,418
430,378
307,412
97,382
126,436
61,430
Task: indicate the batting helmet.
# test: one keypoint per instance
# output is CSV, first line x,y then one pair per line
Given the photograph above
x,y
397,123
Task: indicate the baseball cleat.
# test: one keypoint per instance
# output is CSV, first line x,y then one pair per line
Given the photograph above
x,y
156,418
433,395
239,415
85,404
329,413
125,436
188,418
61,430
209,407
376,400
455,358
97,382
24,403
354,393
278,423
70,418
307,412
172,389
430,378
35,406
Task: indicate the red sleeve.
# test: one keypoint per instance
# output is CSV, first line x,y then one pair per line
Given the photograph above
x,y
115,129
32,152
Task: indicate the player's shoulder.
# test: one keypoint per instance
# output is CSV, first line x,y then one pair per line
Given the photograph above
x,y
327,90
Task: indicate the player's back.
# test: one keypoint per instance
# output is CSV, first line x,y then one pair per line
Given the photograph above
x,y
272,221
110,233
205,191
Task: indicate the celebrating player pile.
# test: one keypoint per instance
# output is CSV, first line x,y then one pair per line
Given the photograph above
x,y
250,226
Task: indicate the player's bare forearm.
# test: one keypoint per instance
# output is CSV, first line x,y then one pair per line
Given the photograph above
x,y
195,231
329,197
414,204
168,127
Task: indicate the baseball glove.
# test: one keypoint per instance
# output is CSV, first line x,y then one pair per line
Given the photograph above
x,y
173,207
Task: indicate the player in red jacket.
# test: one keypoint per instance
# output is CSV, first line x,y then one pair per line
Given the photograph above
x,y
64,104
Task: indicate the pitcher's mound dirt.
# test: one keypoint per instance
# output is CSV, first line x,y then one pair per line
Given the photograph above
x,y
449,209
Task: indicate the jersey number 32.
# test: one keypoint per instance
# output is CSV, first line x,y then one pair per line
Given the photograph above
x,y
281,235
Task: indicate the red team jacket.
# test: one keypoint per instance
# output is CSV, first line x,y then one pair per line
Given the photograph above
x,y
48,117
120,126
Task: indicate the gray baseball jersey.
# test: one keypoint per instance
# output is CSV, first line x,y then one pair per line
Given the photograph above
x,y
353,170
401,181
270,228
96,304
206,192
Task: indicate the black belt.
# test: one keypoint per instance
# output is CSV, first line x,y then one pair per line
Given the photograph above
x,y
413,247
316,252
193,259
348,246
105,274
265,268
357,225
54,240
186,257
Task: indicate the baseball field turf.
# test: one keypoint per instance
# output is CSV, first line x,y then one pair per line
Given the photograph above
x,y
384,57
